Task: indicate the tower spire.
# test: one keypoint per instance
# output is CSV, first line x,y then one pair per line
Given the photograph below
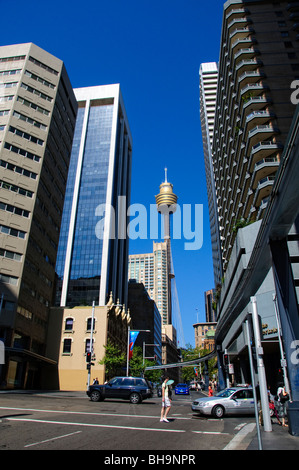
x,y
165,169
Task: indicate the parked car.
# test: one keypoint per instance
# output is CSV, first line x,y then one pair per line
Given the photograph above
x,y
233,400
181,389
134,389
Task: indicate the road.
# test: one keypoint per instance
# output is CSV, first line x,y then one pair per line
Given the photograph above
x,y
62,421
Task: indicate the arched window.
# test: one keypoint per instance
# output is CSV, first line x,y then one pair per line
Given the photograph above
x,y
89,321
69,323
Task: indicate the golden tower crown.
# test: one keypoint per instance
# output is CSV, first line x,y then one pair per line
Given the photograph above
x,y
166,195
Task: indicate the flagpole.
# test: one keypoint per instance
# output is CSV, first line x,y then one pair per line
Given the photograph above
x,y
128,350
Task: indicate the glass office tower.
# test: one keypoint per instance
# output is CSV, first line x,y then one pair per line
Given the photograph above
x,y
90,266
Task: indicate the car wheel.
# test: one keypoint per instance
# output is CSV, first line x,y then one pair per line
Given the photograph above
x,y
218,411
95,395
135,398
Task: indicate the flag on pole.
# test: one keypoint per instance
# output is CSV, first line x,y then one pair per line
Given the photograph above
x,y
133,336
195,370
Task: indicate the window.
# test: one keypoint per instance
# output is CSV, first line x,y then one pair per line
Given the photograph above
x,y
69,322
67,346
12,280
89,320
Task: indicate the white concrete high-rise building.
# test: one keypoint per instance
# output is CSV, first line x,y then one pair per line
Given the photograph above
x,y
208,77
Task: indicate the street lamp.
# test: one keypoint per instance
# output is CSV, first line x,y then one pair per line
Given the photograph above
x,y
90,344
128,345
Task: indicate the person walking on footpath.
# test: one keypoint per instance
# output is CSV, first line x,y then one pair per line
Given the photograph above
x,y
166,400
281,400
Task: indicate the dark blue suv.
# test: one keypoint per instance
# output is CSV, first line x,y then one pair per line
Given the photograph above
x,y
134,389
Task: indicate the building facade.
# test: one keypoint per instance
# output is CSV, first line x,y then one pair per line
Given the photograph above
x,y
37,120
208,78
255,170
257,64
150,269
145,316
92,259
93,246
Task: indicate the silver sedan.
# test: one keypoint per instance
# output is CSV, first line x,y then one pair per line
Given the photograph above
x,y
233,400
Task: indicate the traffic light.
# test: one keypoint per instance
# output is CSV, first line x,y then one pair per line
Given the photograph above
x,y
88,357
225,362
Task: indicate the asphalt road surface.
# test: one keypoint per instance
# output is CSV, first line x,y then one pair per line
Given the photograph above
x,y
66,421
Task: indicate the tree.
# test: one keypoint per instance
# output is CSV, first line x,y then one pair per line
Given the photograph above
x,y
190,353
137,366
114,360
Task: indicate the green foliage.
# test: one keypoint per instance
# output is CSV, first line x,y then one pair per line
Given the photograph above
x,y
137,368
114,360
191,353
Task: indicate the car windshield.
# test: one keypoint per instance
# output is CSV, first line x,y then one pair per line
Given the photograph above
x,y
227,392
182,385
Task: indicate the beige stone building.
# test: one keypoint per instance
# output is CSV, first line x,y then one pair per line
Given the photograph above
x,y
69,341
37,120
202,333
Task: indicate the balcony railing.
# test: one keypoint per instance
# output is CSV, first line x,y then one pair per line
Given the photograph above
x,y
249,52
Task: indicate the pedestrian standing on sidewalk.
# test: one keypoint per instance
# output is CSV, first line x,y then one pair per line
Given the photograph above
x,y
166,400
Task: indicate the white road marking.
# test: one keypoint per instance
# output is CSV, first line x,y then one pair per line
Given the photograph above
x,y
235,442
211,432
52,439
85,413
95,425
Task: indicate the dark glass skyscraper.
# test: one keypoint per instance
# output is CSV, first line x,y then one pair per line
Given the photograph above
x,y
90,265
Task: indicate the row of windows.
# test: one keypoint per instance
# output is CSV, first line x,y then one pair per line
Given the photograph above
x,y
36,92
43,66
40,80
67,346
10,72
12,59
10,255
26,136
12,231
8,85
69,324
18,169
3,99
24,153
12,280
14,210
30,120
29,104
16,189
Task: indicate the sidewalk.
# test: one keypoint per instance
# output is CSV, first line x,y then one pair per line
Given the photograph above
x,y
277,439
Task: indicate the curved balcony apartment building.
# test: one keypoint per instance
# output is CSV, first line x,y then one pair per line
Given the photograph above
x,y
258,62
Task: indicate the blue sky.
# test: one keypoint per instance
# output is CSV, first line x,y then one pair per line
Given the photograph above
x,y
154,50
